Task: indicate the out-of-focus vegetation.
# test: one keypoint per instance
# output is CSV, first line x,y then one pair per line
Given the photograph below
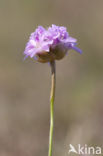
x,y
25,85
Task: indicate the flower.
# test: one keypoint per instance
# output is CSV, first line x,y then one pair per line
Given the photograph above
x,y
50,44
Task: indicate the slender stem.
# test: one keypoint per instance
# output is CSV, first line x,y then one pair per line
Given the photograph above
x,y
52,96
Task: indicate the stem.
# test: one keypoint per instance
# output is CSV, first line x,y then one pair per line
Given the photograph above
x,y
52,96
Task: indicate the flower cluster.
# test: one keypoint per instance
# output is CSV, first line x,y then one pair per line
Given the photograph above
x,y
50,44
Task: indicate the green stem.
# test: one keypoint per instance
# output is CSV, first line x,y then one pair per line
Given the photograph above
x,y
52,96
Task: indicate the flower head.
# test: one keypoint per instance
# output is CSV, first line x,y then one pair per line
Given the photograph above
x,y
50,44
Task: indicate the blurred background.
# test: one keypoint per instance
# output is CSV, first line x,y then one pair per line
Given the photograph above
x,y
25,85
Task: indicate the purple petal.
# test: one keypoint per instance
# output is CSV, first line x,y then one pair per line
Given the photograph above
x,y
72,40
77,49
45,48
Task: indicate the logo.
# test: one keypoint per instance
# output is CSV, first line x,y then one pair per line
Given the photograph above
x,y
84,149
